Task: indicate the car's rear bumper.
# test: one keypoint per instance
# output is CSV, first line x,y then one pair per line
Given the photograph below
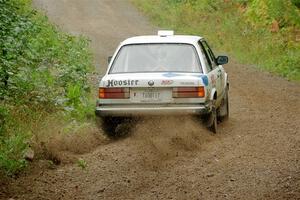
x,y
135,110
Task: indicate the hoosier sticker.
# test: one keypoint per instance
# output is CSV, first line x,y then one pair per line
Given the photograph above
x,y
113,83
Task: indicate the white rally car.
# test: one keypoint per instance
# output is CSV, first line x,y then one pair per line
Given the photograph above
x,y
163,74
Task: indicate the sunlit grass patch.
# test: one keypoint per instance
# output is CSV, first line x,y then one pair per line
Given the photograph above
x,y
258,32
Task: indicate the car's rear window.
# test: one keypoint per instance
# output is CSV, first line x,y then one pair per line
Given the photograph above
x,y
156,58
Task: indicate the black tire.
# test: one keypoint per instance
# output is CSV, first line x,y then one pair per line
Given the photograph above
x,y
213,127
115,127
223,110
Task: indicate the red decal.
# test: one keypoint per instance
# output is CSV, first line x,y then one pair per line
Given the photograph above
x,y
167,82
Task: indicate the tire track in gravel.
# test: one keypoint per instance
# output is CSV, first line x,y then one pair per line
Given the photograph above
x,y
255,156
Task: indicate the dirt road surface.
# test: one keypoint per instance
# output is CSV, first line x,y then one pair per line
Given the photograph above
x,y
256,155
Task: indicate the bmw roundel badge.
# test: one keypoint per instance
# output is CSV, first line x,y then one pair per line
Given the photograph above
x,y
151,83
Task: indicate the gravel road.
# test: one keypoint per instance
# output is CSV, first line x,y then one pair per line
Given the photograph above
x,y
256,155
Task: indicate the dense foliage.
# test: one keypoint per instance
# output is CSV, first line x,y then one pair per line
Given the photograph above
x,y
42,71
264,12
261,32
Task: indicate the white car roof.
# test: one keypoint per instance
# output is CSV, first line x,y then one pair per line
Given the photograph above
x,y
188,39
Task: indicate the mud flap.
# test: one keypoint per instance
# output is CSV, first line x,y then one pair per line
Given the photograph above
x,y
223,110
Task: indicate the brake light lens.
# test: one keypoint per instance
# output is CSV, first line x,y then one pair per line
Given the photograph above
x,y
114,93
189,92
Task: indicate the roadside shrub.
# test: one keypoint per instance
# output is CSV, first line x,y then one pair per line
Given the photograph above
x,y
296,3
12,150
42,71
4,114
264,12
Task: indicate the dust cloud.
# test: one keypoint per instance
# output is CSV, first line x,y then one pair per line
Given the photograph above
x,y
170,136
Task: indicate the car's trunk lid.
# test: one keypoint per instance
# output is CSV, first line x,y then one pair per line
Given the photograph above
x,y
153,87
165,79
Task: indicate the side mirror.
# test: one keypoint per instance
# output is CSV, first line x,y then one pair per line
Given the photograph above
x,y
221,60
109,59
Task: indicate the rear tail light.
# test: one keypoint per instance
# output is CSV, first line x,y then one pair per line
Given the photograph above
x,y
189,92
114,93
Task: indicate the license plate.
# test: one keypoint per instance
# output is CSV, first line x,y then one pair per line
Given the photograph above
x,y
149,95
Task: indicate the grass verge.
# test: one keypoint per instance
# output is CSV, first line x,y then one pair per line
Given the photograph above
x,y
261,32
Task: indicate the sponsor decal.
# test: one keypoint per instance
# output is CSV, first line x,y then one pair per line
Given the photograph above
x,y
204,80
113,83
187,83
167,82
171,74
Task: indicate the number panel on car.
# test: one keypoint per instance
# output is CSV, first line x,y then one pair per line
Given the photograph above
x,y
151,95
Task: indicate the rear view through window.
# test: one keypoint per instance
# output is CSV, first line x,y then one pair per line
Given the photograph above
x,y
156,58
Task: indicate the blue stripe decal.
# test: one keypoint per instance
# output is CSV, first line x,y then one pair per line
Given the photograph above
x,y
170,74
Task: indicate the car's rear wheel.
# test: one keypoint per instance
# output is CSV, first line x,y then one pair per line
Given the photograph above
x,y
115,127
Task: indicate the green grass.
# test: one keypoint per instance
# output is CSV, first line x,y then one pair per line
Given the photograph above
x,y
43,72
82,163
240,28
